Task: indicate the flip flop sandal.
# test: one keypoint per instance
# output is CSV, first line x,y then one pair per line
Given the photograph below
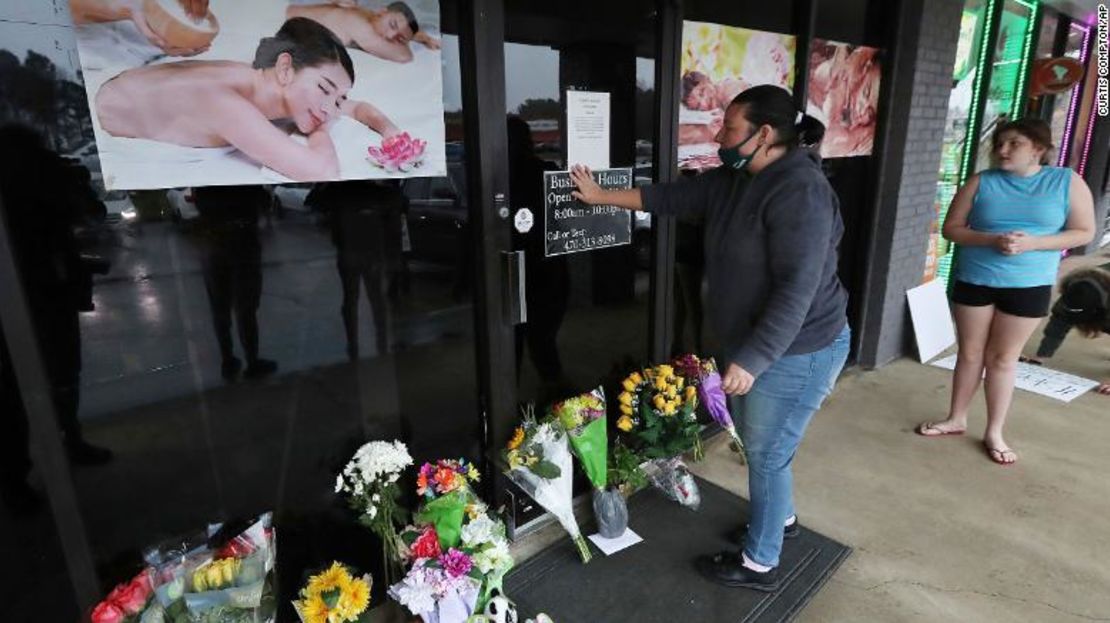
x,y
998,455
938,432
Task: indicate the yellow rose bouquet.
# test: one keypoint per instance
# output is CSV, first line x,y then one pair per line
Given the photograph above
x,y
658,412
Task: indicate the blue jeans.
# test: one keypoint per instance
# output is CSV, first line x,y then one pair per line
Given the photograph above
x,y
771,420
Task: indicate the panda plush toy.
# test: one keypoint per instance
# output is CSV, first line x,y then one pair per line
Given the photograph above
x,y
500,610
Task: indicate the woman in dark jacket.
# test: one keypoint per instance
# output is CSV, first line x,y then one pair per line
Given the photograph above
x,y
772,229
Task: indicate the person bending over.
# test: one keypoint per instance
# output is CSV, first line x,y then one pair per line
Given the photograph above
x,y
1084,304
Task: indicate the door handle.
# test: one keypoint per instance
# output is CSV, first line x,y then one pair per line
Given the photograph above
x,y
515,304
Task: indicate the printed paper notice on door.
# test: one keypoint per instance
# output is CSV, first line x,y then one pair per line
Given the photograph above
x,y
588,129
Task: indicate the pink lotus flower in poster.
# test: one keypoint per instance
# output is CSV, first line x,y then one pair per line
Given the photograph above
x,y
398,153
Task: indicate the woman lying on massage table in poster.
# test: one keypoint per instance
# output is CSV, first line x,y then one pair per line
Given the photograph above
x,y
302,75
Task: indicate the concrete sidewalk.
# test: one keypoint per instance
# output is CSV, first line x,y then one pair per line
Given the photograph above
x,y
940,532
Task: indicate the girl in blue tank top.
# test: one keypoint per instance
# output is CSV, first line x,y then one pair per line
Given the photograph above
x,y
1007,202
1011,222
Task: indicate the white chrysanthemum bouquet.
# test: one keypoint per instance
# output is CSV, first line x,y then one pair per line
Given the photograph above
x,y
370,482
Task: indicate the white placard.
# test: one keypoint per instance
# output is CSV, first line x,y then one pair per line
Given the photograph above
x,y
588,129
1040,380
932,320
612,546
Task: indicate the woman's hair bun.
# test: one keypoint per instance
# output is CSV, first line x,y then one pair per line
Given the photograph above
x,y
810,130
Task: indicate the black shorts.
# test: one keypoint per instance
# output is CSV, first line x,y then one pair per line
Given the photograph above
x,y
1024,302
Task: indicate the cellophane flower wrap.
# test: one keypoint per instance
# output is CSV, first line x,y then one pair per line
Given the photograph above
x,y
658,413
399,153
445,489
705,375
209,578
539,462
335,595
583,419
673,478
440,590
370,483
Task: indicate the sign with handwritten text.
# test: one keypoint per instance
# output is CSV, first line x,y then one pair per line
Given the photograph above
x,y
1040,380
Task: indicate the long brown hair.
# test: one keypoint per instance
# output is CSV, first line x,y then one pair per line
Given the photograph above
x,y
1032,128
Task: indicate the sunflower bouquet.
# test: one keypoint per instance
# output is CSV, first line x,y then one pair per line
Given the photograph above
x,y
704,375
370,483
335,595
658,411
445,488
538,461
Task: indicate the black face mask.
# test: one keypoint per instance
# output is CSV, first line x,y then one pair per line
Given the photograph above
x,y
731,156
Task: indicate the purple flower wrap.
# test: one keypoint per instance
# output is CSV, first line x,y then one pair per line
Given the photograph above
x,y
713,396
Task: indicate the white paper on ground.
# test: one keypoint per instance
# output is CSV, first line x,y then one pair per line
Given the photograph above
x,y
612,546
932,320
1040,380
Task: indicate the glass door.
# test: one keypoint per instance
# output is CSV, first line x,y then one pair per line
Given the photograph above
x,y
587,311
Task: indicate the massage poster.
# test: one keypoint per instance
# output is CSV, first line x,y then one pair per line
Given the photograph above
x,y
718,62
220,92
843,94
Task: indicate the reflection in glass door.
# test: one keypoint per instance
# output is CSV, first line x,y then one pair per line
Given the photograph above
x,y
245,341
587,312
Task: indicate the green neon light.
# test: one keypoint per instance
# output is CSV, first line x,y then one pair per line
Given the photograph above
x,y
1026,53
971,141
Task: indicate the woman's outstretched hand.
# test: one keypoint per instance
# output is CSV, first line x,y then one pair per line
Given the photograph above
x,y
588,190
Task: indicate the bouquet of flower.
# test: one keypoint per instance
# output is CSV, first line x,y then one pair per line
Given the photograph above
x,y
441,589
583,420
539,462
129,602
196,581
335,595
658,410
400,153
370,482
445,488
703,374
483,538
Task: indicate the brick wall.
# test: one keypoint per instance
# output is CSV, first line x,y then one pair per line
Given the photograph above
x,y
924,45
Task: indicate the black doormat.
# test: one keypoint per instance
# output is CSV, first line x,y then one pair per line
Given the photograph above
x,y
656,581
